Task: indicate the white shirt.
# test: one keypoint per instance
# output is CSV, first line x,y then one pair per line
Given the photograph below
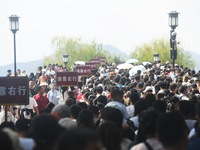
x,y
10,117
53,96
130,109
120,106
31,105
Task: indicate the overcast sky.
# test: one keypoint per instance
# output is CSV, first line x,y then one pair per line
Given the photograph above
x,y
122,23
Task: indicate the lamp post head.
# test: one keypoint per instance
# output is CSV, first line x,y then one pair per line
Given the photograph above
x,y
14,23
156,57
65,58
173,19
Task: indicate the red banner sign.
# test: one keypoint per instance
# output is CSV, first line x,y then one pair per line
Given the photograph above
x,y
83,70
96,60
14,90
102,59
66,78
93,66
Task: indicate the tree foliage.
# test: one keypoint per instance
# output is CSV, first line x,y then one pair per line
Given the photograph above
x,y
145,52
77,51
75,48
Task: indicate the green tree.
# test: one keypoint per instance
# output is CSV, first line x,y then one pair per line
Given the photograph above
x,y
76,49
145,52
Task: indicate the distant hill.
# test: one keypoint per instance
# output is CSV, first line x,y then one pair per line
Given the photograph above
x,y
32,65
28,66
196,58
115,51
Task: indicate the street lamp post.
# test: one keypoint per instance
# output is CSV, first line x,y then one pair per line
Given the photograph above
x,y
14,27
65,60
155,58
173,23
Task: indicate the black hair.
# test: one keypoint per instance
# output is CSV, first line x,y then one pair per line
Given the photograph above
x,y
140,106
111,135
185,108
86,119
75,110
76,139
147,125
112,114
160,105
171,129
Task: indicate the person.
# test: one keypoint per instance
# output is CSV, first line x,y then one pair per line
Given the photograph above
x,y
86,119
78,139
185,107
9,73
53,94
22,126
43,78
134,97
41,99
30,110
117,101
9,140
45,131
146,138
183,90
172,131
111,135
10,116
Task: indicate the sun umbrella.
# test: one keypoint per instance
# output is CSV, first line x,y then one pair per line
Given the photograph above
x,y
79,62
134,70
146,63
131,61
125,66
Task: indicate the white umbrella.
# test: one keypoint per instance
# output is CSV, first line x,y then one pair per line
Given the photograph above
x,y
134,70
131,61
79,62
146,63
125,66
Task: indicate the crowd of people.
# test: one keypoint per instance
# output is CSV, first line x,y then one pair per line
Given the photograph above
x,y
153,109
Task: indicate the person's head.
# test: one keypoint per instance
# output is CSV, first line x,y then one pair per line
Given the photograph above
x,y
69,102
173,103
147,125
149,99
117,94
83,105
52,86
41,90
110,135
61,111
78,139
112,114
148,90
133,96
99,89
8,124
172,130
85,96
75,110
160,105
173,87
45,130
185,108
162,84
22,126
183,89
140,106
70,94
86,119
